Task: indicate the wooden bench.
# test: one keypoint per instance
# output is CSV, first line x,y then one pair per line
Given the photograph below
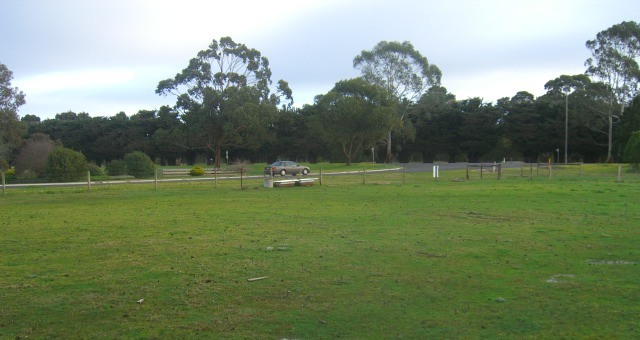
x,y
287,183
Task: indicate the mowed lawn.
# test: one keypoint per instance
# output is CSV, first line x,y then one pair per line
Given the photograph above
x,y
452,258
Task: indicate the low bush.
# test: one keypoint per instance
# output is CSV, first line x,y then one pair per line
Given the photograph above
x,y
138,164
27,175
196,171
65,165
116,168
10,176
94,170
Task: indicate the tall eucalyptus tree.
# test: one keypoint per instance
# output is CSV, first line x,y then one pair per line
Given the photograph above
x,y
614,62
224,96
403,72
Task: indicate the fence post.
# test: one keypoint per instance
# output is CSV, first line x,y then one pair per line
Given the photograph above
x,y
155,180
241,178
467,170
522,169
88,180
404,174
580,169
499,170
215,177
320,176
531,171
4,184
481,169
619,172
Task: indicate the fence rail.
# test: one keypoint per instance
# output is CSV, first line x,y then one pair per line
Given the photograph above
x,y
399,176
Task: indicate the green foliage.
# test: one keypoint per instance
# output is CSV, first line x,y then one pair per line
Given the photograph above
x,y
27,175
65,165
10,176
11,129
614,63
139,165
196,171
4,165
398,67
405,74
356,115
94,170
116,167
224,93
632,151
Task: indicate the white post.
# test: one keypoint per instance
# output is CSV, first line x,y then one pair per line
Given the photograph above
x,y
88,180
404,174
155,180
619,172
436,171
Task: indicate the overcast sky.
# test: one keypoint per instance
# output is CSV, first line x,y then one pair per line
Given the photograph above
x,y
107,56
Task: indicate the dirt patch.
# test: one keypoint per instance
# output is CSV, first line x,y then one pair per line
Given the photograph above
x,y
559,278
610,262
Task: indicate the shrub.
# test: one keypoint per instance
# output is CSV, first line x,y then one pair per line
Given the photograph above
x,y
27,175
139,165
116,168
4,165
65,165
10,175
196,171
239,165
94,170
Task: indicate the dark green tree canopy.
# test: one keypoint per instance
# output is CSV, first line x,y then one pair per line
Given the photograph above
x,y
565,84
356,115
632,150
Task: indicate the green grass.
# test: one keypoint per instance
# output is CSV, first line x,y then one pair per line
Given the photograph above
x,y
515,258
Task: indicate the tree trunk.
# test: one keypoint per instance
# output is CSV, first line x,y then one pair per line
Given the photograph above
x,y
610,139
566,127
217,140
388,157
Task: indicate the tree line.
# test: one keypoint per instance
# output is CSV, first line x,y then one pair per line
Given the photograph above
x,y
227,109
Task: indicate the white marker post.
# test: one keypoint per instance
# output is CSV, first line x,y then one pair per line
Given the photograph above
x,y
436,171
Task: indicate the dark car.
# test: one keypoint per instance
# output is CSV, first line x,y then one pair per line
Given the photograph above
x,y
283,168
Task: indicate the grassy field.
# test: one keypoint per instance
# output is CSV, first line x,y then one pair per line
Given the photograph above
x,y
402,256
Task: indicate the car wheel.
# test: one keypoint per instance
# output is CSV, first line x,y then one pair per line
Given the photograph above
x,y
283,172
305,171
